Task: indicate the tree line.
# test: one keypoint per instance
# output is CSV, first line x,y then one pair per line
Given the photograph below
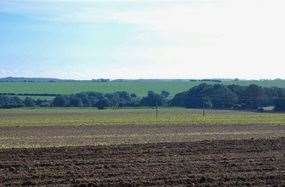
x,y
216,96
220,96
88,99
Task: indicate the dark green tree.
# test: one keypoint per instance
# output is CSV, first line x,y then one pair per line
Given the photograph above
x,y
29,102
279,104
61,101
75,101
102,104
152,99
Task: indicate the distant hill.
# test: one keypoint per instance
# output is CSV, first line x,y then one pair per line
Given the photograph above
x,y
32,79
24,79
43,86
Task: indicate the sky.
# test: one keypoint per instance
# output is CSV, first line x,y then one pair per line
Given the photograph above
x,y
89,39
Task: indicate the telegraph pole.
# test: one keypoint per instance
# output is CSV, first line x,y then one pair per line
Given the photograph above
x,y
203,105
203,109
156,111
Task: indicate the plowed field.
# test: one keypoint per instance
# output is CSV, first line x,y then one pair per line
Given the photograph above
x,y
218,162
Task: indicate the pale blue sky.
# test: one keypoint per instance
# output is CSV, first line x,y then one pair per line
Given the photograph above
x,y
142,38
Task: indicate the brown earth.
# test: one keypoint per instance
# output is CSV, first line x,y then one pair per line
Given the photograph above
x,y
220,162
50,136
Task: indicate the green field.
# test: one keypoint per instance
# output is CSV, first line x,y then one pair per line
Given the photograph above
x,y
55,127
171,116
138,87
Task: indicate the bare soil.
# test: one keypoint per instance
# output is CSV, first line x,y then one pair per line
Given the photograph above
x,y
58,136
254,162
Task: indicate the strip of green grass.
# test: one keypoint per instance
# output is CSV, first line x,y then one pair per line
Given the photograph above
x,y
172,116
138,87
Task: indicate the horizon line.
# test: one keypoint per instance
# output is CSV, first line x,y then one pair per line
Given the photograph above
x,y
111,79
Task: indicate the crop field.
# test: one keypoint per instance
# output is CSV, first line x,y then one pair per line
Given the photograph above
x,y
25,128
140,116
138,87
86,146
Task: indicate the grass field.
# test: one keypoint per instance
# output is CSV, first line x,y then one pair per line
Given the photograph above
x,y
145,116
44,127
139,87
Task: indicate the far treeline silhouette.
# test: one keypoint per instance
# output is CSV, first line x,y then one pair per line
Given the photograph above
x,y
215,96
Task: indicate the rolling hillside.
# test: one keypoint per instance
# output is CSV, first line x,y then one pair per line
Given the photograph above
x,y
139,87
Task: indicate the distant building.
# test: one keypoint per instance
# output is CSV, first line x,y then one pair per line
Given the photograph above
x,y
266,109
101,80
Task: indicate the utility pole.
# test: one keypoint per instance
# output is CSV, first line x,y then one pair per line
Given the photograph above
x,y
156,111
204,113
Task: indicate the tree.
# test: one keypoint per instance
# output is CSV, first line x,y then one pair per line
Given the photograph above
x,y
164,94
84,99
43,103
206,96
152,99
179,99
133,95
102,104
279,104
222,97
196,97
114,100
3,101
94,97
75,101
61,101
29,102
254,97
14,102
